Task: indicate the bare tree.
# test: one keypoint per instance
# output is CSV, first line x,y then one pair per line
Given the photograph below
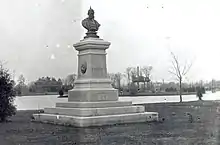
x,y
179,72
21,85
146,70
133,72
134,75
128,74
2,63
21,80
112,78
116,79
70,79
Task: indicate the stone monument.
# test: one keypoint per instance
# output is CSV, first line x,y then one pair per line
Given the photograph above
x,y
93,101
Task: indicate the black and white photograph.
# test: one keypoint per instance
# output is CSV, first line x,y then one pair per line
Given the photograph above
x,y
109,72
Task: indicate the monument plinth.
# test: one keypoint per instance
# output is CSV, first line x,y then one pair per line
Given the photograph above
x,y
92,83
93,101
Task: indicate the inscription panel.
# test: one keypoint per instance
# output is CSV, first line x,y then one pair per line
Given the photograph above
x,y
102,96
98,72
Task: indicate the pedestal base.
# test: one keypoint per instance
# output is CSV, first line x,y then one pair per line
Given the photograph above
x,y
91,34
85,114
96,120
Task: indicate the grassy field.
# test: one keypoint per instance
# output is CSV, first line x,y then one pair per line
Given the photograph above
x,y
156,94
189,123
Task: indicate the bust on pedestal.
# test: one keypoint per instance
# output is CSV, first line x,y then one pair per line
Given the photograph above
x,y
92,83
91,25
93,101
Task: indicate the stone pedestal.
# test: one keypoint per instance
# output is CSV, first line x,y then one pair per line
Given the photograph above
x,y
93,101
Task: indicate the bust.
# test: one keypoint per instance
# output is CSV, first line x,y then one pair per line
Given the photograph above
x,y
91,24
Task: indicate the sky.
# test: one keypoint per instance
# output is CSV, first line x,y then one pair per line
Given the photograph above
x,y
37,35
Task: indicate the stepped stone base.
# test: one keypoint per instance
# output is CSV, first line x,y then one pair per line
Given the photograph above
x,y
96,120
85,114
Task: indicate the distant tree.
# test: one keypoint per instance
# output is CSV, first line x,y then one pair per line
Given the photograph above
x,y
133,89
45,84
70,79
190,89
68,82
61,92
179,72
48,79
21,80
52,79
203,90
171,89
146,70
133,71
113,79
128,74
118,78
199,93
7,94
32,87
21,84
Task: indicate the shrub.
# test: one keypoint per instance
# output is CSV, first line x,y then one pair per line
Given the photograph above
x,y
203,90
199,93
7,95
133,89
61,92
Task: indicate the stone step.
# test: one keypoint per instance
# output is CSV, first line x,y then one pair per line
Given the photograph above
x,y
94,104
96,120
95,111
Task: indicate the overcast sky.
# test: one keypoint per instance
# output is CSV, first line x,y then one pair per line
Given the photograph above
x,y
37,35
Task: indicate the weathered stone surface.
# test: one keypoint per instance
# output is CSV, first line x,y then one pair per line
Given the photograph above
x,y
91,44
96,120
95,111
99,84
92,95
100,104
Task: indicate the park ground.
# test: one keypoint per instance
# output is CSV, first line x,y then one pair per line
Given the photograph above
x,y
188,123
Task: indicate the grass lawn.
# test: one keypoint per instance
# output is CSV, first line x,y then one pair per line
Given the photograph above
x,y
189,123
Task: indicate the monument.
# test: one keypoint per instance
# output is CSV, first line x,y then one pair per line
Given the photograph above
x,y
93,101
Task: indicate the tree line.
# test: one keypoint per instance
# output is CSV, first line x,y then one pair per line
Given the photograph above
x,y
138,79
45,85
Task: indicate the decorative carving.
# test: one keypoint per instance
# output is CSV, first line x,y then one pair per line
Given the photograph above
x,y
83,68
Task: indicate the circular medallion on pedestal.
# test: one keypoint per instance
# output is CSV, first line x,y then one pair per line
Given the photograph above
x,y
83,68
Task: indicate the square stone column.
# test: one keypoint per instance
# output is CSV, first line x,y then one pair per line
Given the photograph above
x,y
92,83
